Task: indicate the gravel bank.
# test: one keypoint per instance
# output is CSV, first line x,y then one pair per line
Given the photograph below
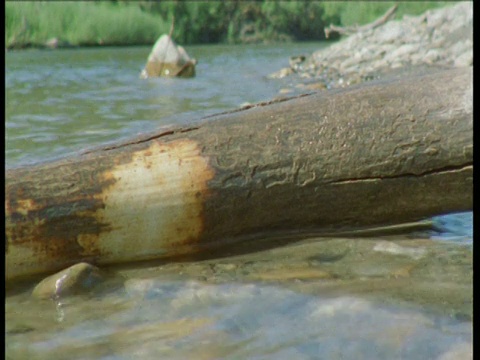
x,y
438,38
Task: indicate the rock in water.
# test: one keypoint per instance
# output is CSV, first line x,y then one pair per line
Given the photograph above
x,y
76,279
169,60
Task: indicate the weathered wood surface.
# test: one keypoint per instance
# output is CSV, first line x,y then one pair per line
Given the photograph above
x,y
376,154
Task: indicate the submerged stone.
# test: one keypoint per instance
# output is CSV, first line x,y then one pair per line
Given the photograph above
x,y
392,248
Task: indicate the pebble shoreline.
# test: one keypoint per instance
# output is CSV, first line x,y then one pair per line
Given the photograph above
x,y
438,38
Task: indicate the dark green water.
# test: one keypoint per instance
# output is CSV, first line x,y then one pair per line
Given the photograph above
x,y
400,297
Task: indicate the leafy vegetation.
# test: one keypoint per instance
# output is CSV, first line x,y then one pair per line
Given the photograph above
x,y
79,23
119,22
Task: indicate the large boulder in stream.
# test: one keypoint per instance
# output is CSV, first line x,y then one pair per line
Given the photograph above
x,y
169,60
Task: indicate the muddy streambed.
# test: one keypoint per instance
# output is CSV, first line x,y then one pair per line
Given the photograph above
x,y
403,296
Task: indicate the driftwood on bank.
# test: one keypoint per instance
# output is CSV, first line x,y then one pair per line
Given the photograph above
x,y
376,154
332,29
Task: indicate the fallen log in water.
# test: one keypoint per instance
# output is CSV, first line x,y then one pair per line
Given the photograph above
x,y
376,154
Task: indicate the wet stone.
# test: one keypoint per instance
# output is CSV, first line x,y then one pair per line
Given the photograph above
x,y
392,248
285,91
281,73
77,279
292,274
225,267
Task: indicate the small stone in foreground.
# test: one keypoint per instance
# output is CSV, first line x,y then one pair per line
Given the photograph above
x,y
76,279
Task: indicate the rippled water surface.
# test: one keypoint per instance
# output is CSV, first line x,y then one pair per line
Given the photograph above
x,y
381,297
64,100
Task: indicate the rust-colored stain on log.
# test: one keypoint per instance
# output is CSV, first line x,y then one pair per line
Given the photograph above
x,y
152,207
44,216
138,204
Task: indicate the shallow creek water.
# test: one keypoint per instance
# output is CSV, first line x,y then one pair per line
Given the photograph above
x,y
405,296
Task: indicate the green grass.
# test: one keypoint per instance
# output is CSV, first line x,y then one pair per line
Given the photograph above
x,y
85,23
79,23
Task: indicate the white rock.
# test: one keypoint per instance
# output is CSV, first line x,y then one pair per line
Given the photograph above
x,y
466,59
403,51
432,56
392,248
390,32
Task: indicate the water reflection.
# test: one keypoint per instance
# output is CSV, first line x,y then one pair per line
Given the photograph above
x,y
454,227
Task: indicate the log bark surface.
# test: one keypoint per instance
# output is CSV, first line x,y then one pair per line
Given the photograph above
x,y
376,154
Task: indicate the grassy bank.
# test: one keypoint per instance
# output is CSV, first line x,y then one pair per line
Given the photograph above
x,y
79,23
142,22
